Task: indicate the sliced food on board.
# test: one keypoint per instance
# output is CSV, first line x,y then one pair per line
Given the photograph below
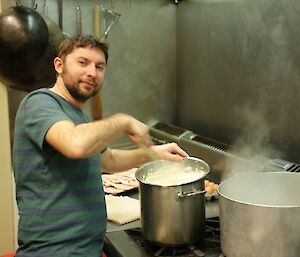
x,y
119,182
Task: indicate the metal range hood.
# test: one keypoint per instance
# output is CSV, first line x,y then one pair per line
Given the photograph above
x,y
224,160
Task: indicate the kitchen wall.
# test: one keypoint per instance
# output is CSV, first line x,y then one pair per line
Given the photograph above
x,y
239,73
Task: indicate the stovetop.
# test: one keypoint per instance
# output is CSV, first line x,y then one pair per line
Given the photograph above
x,y
130,243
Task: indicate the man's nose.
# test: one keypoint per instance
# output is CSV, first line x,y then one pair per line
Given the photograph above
x,y
92,71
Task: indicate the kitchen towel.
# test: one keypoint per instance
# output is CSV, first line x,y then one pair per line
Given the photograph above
x,y
122,209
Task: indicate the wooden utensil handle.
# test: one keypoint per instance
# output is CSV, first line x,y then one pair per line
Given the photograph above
x,y
97,107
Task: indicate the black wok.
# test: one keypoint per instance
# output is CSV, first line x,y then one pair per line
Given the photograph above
x,y
28,45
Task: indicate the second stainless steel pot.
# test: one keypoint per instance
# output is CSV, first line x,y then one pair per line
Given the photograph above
x,y
173,215
260,215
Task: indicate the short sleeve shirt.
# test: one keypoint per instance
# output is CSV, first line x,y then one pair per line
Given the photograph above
x,y
60,200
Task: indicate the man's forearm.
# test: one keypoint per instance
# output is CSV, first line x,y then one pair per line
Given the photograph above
x,y
95,136
84,140
114,160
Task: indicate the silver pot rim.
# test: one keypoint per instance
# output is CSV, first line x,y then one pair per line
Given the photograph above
x,y
243,175
204,167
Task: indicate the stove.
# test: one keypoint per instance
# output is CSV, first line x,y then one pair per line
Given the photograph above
x,y
131,243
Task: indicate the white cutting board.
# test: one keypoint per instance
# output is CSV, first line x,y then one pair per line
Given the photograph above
x,y
122,209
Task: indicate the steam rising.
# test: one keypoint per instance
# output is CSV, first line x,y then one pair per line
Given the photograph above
x,y
256,134
253,144
261,225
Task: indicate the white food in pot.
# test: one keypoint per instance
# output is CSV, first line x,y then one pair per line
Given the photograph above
x,y
169,176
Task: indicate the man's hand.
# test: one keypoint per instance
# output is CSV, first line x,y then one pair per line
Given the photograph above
x,y
170,151
138,132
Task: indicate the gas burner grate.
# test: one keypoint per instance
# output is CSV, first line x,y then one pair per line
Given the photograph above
x,y
175,251
156,250
208,247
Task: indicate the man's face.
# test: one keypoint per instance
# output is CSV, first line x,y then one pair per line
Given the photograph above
x,y
83,72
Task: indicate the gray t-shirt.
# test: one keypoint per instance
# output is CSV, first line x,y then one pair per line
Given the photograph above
x,y
60,200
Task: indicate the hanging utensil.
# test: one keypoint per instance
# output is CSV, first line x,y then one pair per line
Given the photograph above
x,y
78,18
97,21
112,4
56,35
33,4
110,18
22,46
60,14
45,8
96,102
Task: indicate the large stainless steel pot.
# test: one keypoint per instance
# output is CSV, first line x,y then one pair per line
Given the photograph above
x,y
175,214
260,215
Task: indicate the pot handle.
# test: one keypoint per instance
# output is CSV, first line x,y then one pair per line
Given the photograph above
x,y
182,194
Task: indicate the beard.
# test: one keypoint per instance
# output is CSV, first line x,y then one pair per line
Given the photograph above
x,y
77,94
74,89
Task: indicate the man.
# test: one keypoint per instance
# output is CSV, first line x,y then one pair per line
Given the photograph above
x,y
57,152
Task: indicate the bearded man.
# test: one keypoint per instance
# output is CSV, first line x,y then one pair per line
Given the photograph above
x,y
58,155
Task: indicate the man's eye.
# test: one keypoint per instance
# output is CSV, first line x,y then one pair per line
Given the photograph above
x,y
99,68
82,62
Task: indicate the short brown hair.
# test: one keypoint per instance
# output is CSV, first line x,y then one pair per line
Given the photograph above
x,y
69,44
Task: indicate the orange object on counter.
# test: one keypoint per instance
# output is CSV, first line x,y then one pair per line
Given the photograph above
x,y
8,255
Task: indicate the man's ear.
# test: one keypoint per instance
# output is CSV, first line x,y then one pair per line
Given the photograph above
x,y
58,65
